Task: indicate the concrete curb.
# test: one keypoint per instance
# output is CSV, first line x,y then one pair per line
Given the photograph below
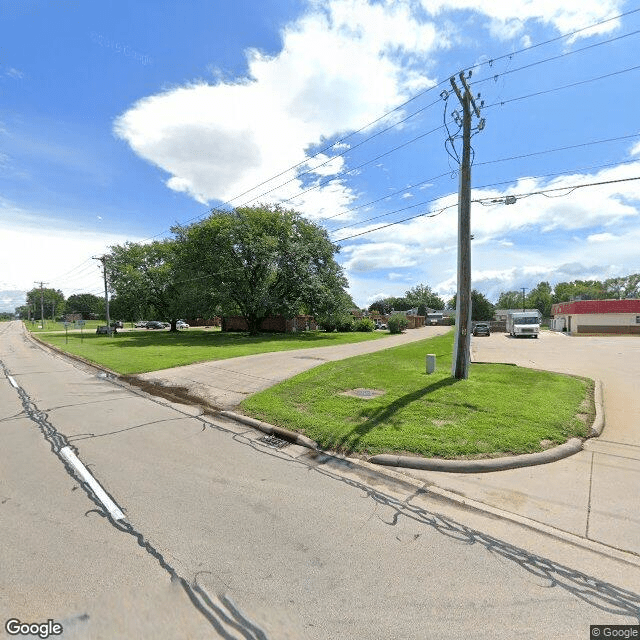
x,y
569,448
271,429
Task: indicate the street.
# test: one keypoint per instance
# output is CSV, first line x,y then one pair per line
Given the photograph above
x,y
227,536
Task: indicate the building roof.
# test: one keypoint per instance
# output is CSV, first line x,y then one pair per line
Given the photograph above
x,y
596,306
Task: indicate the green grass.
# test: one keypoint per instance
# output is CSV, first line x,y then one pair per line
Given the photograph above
x,y
51,326
499,410
141,350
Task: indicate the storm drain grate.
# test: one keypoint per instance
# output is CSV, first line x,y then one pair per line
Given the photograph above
x,y
273,441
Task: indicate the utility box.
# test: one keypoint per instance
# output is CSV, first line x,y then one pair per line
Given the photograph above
x,y
431,362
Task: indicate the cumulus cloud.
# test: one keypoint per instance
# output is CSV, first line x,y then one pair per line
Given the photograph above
x,y
507,19
217,141
531,234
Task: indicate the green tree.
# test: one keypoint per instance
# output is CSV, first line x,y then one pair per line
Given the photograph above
x,y
262,261
623,287
481,307
510,300
585,289
144,279
53,302
541,298
422,296
85,303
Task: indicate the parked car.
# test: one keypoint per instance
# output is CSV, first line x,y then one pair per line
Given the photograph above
x,y
181,324
117,324
142,324
482,329
154,324
103,329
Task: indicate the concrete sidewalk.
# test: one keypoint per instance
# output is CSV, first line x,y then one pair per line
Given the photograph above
x,y
226,383
594,495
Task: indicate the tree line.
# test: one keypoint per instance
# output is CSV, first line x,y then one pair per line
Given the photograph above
x,y
543,295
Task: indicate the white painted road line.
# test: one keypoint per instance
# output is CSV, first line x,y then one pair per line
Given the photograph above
x,y
13,382
108,503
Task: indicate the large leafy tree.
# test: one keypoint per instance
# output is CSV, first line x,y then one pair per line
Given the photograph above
x,y
85,303
510,300
481,307
261,261
541,298
422,296
145,281
53,302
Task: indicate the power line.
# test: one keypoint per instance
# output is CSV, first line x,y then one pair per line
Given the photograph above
x,y
512,198
557,57
482,201
560,88
489,62
585,144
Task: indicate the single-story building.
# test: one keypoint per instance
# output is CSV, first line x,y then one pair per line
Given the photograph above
x,y
597,316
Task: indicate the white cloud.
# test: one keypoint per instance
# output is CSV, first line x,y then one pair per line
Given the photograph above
x,y
217,141
58,254
601,237
531,234
508,18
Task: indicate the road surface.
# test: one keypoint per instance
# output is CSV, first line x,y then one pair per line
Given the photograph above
x,y
225,536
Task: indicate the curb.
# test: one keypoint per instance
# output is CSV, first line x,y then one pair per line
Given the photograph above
x,y
271,429
569,448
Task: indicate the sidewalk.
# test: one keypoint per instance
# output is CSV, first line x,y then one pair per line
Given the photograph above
x,y
226,383
594,494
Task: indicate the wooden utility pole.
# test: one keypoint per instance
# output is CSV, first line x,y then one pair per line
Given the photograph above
x,y
460,362
42,302
103,259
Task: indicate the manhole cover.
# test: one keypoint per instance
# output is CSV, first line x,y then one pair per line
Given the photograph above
x,y
365,394
273,441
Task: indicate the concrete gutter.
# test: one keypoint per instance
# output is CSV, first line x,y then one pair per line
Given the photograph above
x,y
271,429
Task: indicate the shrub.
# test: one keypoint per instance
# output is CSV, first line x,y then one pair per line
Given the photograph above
x,y
364,324
344,325
397,323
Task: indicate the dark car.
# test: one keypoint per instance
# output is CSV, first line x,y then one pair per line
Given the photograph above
x,y
154,324
482,329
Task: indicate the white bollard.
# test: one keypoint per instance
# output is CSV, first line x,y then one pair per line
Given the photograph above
x,y
431,362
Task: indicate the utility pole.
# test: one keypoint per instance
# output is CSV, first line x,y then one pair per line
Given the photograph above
x,y
523,290
42,302
103,259
460,363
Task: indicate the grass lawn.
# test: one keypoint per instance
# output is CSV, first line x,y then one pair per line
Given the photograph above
x,y
50,325
139,351
499,410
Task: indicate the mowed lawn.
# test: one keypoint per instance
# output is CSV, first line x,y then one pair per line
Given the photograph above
x,y
499,410
140,351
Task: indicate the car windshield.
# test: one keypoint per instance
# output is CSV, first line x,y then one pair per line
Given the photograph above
x,y
526,320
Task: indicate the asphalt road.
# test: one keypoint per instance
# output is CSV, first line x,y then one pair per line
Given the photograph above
x,y
225,536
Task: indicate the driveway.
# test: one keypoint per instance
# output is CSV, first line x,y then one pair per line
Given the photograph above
x,y
594,494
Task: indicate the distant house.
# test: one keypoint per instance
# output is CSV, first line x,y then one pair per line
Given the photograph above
x,y
597,316
275,324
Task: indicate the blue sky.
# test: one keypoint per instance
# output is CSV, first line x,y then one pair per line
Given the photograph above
x,y
120,119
